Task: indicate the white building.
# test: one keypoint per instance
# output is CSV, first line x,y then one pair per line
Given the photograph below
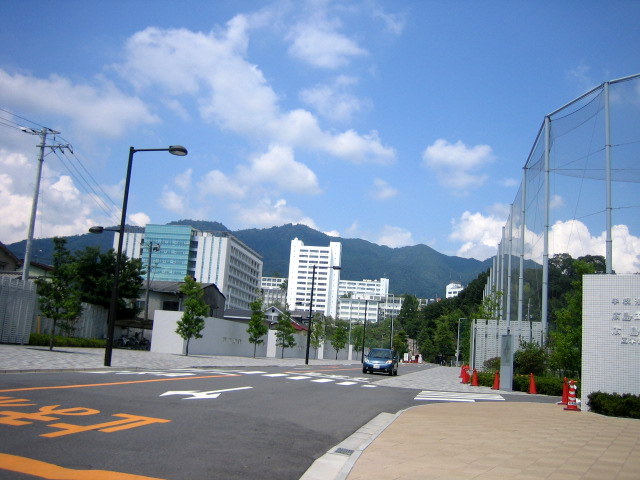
x,y
272,291
209,257
453,289
303,262
364,288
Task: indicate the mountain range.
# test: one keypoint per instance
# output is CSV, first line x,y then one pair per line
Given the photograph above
x,y
419,270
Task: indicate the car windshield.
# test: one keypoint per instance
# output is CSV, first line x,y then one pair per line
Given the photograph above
x,y
380,353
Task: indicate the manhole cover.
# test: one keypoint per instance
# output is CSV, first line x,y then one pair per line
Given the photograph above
x,y
343,451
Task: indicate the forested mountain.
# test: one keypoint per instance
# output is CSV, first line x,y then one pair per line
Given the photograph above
x,y
418,270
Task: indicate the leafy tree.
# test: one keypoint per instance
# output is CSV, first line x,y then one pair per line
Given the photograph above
x,y
284,332
318,330
195,309
409,316
444,341
58,294
339,336
356,337
257,328
400,342
95,279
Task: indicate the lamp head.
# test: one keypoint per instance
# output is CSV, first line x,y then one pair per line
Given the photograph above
x,y
178,150
96,229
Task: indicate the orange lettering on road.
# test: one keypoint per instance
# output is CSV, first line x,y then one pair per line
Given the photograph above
x,y
44,414
130,421
15,402
49,471
116,383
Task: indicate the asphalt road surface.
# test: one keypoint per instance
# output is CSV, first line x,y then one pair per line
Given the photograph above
x,y
267,423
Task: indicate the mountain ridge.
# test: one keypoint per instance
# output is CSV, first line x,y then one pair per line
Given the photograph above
x,y
418,270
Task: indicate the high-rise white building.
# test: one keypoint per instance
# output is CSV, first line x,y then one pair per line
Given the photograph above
x,y
273,291
209,257
364,288
303,262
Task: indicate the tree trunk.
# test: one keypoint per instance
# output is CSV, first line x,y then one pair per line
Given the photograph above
x,y
255,345
53,331
187,350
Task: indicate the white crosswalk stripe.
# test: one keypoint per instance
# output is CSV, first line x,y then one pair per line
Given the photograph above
x,y
433,395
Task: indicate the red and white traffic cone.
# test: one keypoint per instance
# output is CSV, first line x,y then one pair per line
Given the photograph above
x,y
474,379
465,375
462,371
532,384
572,405
496,381
565,392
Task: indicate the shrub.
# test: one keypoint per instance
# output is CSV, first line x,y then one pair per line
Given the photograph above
x,y
492,364
42,339
532,358
614,405
544,385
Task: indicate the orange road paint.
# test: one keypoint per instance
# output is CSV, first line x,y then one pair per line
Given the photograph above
x,y
26,389
28,466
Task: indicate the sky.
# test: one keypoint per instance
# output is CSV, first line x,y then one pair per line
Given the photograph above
x,y
400,122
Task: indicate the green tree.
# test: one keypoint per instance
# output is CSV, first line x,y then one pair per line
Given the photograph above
x,y
318,331
444,341
566,338
59,295
95,272
339,336
195,309
257,328
356,337
409,316
531,358
285,332
400,343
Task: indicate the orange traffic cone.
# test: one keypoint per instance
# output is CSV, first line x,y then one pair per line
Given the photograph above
x,y
462,371
532,384
474,378
572,405
565,392
465,375
496,381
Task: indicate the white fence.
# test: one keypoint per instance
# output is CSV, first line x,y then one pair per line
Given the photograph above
x,y
486,338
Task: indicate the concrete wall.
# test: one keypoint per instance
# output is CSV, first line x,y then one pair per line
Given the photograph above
x,y
610,334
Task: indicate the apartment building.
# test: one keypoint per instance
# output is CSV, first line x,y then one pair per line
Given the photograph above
x,y
317,266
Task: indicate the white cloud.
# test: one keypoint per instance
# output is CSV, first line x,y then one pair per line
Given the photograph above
x,y
233,92
480,234
219,184
395,237
266,213
173,201
97,109
183,180
332,233
456,165
382,190
278,166
556,201
140,219
318,43
333,101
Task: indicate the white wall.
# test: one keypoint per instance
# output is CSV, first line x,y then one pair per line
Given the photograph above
x,y
610,334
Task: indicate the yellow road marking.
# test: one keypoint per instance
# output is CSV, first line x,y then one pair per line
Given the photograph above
x,y
115,383
28,466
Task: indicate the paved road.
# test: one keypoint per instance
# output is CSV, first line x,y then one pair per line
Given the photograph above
x,y
271,422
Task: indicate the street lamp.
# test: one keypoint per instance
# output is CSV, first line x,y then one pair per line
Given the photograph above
x,y
364,329
178,150
458,344
313,280
152,248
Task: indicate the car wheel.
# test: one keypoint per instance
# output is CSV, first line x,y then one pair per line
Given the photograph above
x,y
391,371
395,372
364,370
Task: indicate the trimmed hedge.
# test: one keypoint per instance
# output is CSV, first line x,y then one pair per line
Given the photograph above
x,y
615,405
544,385
42,339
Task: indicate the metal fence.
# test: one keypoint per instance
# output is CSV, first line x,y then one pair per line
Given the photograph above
x,y
579,195
17,306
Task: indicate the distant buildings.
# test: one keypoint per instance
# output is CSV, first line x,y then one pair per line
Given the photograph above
x,y
209,257
453,289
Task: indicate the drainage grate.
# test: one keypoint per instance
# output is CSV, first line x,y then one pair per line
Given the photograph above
x,y
343,451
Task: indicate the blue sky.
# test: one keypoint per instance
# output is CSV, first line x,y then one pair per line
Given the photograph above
x,y
399,122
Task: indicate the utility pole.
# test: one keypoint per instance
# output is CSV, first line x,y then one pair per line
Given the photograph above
x,y
36,191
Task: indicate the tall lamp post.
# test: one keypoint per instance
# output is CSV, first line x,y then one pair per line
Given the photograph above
x,y
364,329
153,247
178,150
313,280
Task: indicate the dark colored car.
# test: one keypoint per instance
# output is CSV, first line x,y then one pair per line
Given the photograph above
x,y
381,360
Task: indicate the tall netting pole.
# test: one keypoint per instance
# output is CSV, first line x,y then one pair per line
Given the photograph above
x,y
523,203
545,253
607,149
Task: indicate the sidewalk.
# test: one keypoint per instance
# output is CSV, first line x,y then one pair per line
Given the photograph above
x,y
446,441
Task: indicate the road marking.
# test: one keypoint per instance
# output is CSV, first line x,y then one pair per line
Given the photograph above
x,y
323,380
432,395
275,375
197,395
298,378
346,383
253,372
36,468
115,383
369,386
